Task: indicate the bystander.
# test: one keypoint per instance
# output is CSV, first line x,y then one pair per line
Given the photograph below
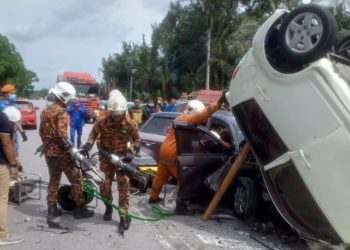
x,y
7,169
77,112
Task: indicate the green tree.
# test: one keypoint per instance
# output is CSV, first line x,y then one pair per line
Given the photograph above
x,y
164,41
37,94
117,69
145,66
176,59
13,70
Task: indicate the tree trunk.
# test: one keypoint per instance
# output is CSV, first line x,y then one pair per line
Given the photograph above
x,y
165,88
216,78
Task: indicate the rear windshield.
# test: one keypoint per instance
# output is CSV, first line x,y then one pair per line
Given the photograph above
x,y
22,105
157,126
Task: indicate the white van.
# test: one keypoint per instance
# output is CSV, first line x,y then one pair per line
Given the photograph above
x,y
291,99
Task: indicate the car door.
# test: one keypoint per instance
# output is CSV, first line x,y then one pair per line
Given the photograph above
x,y
200,153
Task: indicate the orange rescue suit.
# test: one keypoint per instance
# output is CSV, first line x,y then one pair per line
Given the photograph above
x,y
167,165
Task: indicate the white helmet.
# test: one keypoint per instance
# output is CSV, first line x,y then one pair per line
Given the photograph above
x,y
117,102
13,114
193,107
64,91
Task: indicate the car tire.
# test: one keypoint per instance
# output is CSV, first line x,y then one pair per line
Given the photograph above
x,y
65,199
342,48
293,37
244,198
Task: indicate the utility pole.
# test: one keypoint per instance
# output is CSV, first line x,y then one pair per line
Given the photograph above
x,y
131,82
208,60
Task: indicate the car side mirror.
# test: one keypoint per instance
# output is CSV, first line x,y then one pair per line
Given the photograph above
x,y
36,108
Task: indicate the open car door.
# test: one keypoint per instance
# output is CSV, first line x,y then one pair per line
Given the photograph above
x,y
200,153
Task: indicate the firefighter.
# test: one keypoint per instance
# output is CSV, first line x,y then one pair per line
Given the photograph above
x,y
195,113
115,131
53,127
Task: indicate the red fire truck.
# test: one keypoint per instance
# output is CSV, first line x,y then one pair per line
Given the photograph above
x,y
87,91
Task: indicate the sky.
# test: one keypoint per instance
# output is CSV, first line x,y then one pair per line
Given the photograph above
x,y
74,35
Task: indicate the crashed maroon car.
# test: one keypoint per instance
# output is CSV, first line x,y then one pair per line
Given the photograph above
x,y
204,160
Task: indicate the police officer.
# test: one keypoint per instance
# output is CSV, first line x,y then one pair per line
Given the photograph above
x,y
115,131
53,126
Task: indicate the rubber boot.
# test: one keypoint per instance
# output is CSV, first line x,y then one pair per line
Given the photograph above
x,y
126,222
108,213
158,200
53,210
52,213
124,225
82,212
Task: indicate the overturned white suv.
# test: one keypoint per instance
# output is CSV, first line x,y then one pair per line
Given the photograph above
x,y
291,99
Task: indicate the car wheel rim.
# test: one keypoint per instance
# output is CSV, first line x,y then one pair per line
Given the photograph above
x,y
240,200
304,32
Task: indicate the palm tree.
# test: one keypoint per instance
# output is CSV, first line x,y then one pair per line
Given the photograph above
x,y
145,65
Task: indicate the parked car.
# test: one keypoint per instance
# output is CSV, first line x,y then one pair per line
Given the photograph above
x,y
291,99
28,112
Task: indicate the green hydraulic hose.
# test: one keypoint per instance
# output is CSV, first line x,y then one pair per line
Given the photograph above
x,y
154,209
91,193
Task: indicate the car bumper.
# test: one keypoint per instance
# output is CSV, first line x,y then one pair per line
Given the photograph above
x,y
29,122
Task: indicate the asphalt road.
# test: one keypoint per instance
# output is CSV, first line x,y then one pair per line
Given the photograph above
x,y
175,232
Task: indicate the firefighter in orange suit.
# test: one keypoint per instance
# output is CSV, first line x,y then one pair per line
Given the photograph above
x,y
195,113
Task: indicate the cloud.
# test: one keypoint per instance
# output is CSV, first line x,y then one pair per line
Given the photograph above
x,y
76,19
75,34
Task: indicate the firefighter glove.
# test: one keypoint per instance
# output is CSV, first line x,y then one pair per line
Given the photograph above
x,y
137,151
86,148
129,155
